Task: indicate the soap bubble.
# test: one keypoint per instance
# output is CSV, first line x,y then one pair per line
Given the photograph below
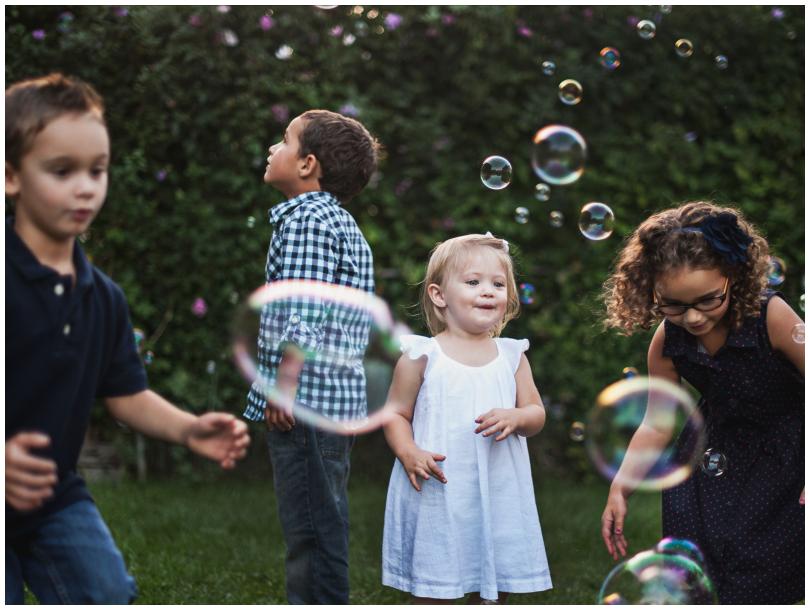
x,y
251,222
148,358
556,219
317,334
714,463
496,172
527,293
570,92
798,333
577,432
662,459
721,61
139,337
521,215
776,271
558,154
657,578
542,191
284,52
596,221
629,371
646,29
549,67
610,58
683,547
684,47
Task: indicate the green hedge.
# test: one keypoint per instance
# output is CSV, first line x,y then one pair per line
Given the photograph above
x,y
195,96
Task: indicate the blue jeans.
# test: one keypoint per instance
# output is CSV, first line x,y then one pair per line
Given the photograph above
x,y
69,559
310,476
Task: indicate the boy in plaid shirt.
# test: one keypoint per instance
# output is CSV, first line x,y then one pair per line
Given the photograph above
x,y
323,160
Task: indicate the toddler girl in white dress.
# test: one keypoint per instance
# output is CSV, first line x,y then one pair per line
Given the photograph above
x,y
460,516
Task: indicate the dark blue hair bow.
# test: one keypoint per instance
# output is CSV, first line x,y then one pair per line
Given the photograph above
x,y
724,236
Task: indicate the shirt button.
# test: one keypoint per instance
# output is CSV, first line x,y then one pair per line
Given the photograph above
x,y
295,318
66,330
59,290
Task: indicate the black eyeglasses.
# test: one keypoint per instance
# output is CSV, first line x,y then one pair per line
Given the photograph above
x,y
709,304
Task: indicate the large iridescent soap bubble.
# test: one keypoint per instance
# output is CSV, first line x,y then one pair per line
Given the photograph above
x,y
652,577
669,445
558,154
316,335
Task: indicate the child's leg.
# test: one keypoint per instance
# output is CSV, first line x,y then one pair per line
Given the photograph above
x,y
475,598
14,579
72,559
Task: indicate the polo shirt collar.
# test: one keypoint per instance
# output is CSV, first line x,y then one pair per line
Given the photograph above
x,y
24,260
278,212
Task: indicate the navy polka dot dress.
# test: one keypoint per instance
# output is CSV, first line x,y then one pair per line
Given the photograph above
x,y
747,520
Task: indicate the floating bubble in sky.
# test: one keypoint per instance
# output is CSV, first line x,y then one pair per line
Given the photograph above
x,y
496,172
284,52
548,67
570,92
629,371
556,219
577,432
251,222
521,215
776,271
721,61
646,29
527,293
558,154
662,459
542,191
610,58
684,47
714,463
596,221
149,358
139,337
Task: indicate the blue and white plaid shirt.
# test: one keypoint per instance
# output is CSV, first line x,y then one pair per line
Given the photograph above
x,y
315,239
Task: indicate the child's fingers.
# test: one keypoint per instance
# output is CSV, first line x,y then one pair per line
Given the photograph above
x,y
412,478
437,472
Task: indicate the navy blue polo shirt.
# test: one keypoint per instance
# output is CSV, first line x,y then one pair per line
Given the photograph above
x,y
66,345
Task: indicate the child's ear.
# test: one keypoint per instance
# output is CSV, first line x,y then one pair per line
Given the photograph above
x,y
435,294
12,181
309,167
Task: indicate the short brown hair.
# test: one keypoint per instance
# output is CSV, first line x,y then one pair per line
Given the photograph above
x,y
448,256
34,103
346,151
659,245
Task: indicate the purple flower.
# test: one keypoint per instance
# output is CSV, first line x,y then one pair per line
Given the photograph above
x,y
38,34
403,187
161,174
393,21
349,110
777,13
632,21
195,21
336,31
280,112
224,8
587,13
524,31
199,307
266,22
448,19
120,11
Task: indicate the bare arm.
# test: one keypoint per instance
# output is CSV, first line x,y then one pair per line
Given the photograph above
x,y
218,436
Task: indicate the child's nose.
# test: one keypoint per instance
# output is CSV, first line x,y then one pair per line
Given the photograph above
x,y
693,316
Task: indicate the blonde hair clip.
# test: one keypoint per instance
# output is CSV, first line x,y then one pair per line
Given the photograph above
x,y
504,243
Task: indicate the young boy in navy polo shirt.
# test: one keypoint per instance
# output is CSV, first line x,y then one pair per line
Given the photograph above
x,y
68,341
323,160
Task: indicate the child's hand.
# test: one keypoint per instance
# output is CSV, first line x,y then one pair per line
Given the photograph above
x,y
801,498
421,463
506,421
613,524
220,437
29,479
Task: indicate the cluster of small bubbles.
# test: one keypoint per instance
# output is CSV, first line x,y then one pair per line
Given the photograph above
x,y
610,58
596,221
558,154
684,47
629,371
542,191
148,358
556,219
776,271
284,52
721,61
251,222
714,463
570,92
210,367
527,293
521,215
798,333
548,67
496,172
577,432
646,29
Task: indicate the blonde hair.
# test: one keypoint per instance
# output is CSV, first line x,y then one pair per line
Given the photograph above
x,y
447,256
659,245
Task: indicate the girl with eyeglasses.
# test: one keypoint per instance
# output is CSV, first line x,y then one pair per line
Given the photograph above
x,y
701,271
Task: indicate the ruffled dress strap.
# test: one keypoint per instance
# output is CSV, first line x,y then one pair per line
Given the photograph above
x,y
416,346
511,350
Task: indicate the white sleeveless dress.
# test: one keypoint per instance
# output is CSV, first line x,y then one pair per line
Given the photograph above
x,y
479,532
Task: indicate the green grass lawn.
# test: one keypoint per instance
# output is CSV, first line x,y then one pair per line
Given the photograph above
x,y
220,542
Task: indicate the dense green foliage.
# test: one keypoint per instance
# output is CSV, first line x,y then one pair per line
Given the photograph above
x,y
195,95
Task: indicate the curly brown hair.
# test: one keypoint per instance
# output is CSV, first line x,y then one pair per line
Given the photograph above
x,y
657,247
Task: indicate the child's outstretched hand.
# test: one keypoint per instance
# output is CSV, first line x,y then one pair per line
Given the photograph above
x,y
421,463
220,437
505,421
29,479
613,524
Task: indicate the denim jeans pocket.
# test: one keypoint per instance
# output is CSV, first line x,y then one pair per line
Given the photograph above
x,y
334,446
291,440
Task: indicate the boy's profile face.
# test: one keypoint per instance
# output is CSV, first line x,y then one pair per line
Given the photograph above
x,y
285,166
61,182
